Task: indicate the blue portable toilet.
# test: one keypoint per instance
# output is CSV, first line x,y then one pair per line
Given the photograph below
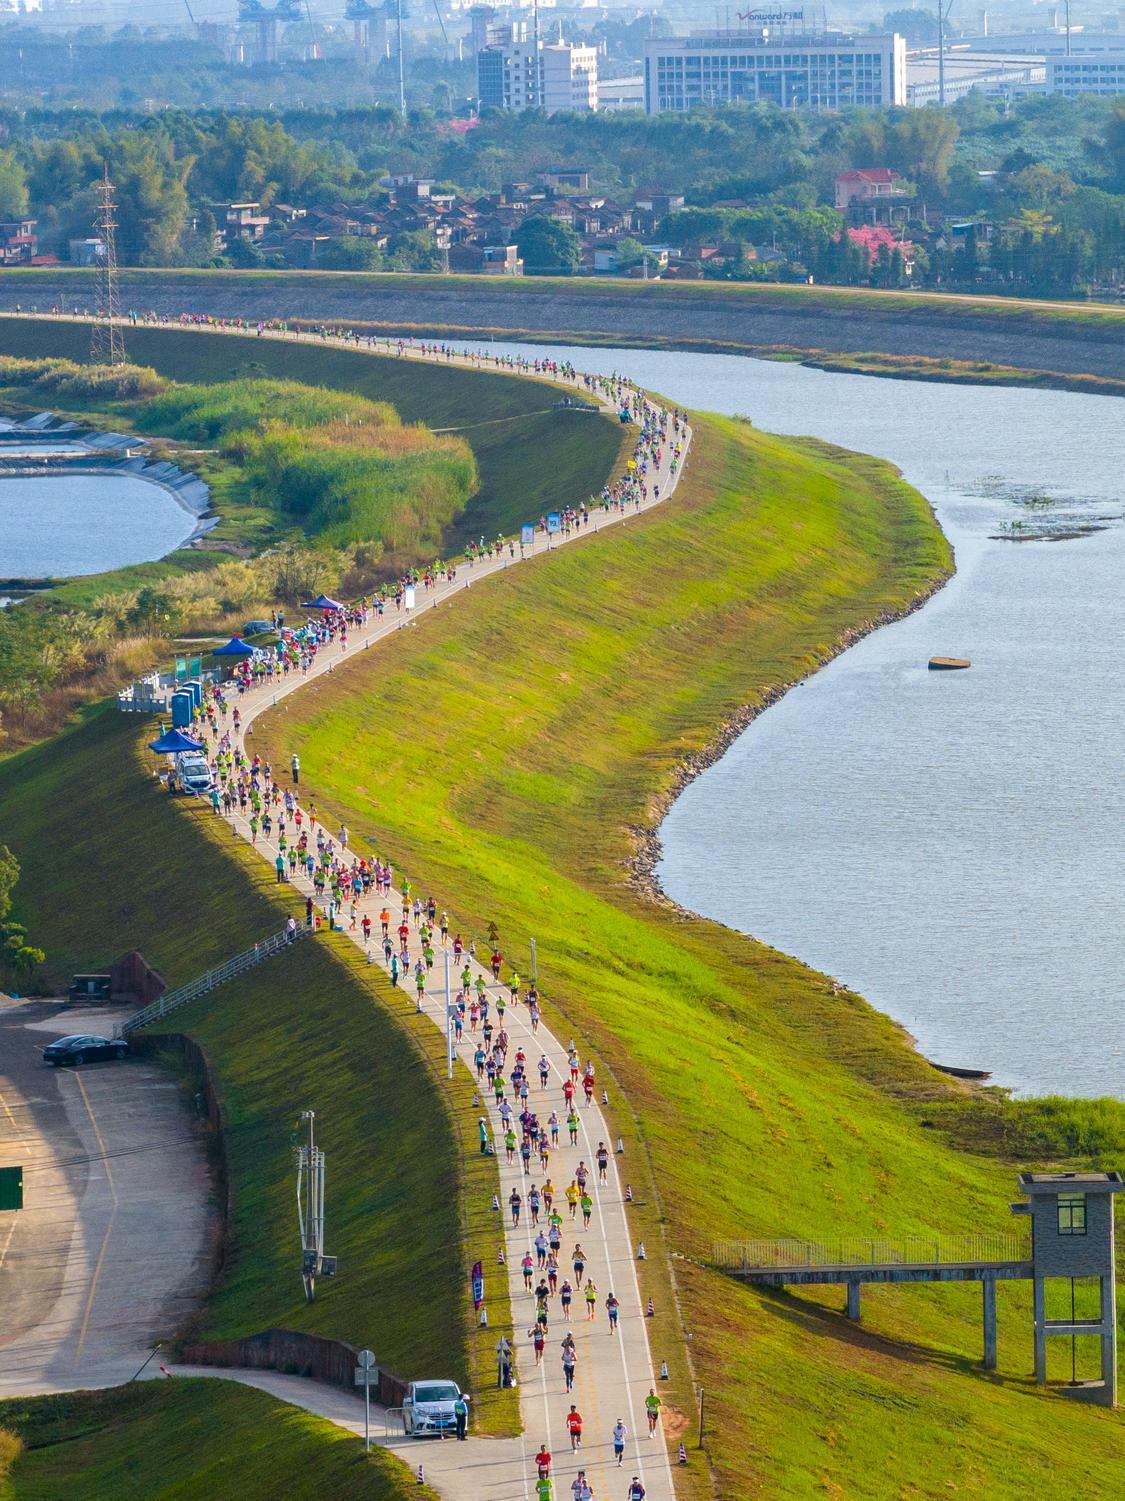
x,y
195,688
183,708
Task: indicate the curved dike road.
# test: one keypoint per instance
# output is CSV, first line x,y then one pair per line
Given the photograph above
x,y
614,1374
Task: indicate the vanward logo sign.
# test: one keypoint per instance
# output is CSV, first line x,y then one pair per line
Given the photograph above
x,y
771,17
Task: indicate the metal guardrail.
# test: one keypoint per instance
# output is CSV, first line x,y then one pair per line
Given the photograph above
x,y
748,1255
172,1000
394,1421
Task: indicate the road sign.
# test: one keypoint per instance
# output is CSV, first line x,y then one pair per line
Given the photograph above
x,y
11,1187
554,521
365,1373
527,536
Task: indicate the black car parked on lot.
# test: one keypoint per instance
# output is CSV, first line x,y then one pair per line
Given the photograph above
x,y
82,1049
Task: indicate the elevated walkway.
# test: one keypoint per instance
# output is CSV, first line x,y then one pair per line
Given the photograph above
x,y
986,1259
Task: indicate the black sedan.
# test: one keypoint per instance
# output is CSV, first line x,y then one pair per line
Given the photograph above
x,y
82,1049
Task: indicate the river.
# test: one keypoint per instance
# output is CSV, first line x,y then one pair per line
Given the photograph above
x,y
59,525
950,845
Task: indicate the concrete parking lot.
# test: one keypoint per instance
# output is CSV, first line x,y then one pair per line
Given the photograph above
x,y
111,1251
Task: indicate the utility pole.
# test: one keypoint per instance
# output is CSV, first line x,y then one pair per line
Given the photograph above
x,y
107,343
401,72
944,7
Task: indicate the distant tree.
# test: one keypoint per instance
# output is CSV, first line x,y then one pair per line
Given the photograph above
x,y
917,26
351,253
414,251
9,875
13,186
244,255
548,247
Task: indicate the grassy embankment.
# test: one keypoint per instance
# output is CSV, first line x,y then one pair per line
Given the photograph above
x,y
764,1103
186,1441
110,863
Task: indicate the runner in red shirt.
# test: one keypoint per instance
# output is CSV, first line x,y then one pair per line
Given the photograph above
x,y
543,1461
574,1428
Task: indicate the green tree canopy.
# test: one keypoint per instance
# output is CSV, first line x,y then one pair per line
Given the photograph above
x,y
351,253
548,247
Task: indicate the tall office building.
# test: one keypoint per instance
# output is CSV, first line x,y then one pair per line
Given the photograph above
x,y
777,60
521,73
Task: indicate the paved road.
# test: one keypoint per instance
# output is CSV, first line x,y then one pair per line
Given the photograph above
x,y
111,1251
614,1372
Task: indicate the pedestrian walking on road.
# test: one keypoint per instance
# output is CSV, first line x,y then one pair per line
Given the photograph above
x,y
515,1203
582,1490
587,1206
543,1460
295,768
461,1415
636,1490
613,1309
602,1159
566,1294
591,1296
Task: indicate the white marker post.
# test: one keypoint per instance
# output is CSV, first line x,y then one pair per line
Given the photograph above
x,y
365,1364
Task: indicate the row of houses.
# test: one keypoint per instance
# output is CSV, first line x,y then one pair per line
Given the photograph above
x,y
479,233
473,233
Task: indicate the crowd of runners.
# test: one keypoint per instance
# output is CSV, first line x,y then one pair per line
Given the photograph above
x,y
535,1099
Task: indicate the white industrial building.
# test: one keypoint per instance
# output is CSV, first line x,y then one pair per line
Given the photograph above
x,y
524,73
1086,73
776,59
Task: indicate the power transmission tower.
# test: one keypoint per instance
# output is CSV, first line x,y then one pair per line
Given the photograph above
x,y
107,342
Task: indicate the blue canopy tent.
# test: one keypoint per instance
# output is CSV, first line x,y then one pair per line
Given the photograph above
x,y
321,602
174,741
235,647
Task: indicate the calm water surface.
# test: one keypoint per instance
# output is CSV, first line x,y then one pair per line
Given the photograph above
x,y
61,525
950,845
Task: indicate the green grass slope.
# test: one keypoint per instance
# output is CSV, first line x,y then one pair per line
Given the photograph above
x,y
108,863
526,452
505,753
189,1440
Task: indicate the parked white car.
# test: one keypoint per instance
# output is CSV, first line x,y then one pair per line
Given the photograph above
x,y
427,1408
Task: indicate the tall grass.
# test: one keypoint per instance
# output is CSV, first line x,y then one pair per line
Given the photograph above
x,y
66,378
208,413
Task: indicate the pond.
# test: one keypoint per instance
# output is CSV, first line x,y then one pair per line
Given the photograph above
x,y
61,524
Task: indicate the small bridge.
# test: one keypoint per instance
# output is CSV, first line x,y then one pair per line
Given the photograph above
x,y
986,1259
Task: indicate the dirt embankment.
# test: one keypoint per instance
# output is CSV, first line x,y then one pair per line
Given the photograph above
x,y
1026,339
